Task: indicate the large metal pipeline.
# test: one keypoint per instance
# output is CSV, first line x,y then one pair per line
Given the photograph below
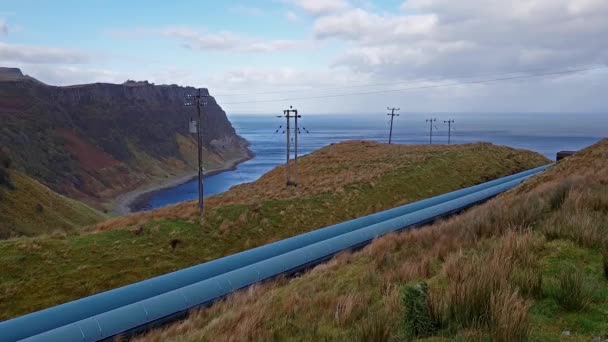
x,y
154,308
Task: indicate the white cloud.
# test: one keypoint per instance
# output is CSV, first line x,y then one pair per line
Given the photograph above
x,y
358,24
69,75
230,41
431,38
283,77
446,41
40,55
292,17
321,7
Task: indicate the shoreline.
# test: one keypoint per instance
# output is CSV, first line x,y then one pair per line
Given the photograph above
x,y
128,202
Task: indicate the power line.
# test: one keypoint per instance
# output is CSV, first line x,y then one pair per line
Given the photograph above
x,y
392,115
563,72
380,84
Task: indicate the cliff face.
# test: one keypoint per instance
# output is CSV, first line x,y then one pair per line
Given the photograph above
x,y
94,141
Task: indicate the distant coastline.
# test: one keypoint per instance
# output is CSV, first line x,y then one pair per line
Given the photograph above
x,y
134,200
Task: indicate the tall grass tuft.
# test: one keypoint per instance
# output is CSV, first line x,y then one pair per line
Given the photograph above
x,y
571,292
417,317
374,330
558,196
509,316
529,281
345,307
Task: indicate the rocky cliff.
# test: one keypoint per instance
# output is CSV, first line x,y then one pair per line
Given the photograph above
x,y
94,141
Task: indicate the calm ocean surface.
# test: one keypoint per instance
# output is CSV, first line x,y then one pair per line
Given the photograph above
x,y
543,133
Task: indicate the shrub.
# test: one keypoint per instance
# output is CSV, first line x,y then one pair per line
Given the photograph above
x,y
5,159
5,164
571,291
417,318
4,177
605,261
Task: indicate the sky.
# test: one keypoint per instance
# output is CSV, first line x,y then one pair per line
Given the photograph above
x,y
262,56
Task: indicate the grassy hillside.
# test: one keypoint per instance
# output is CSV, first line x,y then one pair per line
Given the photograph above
x,y
29,208
337,183
531,264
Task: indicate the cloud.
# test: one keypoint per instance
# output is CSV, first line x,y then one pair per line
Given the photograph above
x,y
69,75
283,77
17,53
292,17
321,7
431,38
229,41
369,28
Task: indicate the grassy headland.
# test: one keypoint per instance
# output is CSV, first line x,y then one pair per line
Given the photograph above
x,y
531,264
337,183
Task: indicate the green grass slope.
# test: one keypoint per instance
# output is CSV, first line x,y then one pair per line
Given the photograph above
x,y
337,183
28,208
529,265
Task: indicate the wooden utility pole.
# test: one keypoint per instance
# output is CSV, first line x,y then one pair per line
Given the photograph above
x,y
287,113
296,133
392,115
199,100
431,124
449,122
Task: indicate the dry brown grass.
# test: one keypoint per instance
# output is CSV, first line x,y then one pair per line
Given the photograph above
x,y
473,280
346,306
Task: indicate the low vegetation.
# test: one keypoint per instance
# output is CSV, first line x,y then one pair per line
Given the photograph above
x,y
5,165
527,265
28,208
337,183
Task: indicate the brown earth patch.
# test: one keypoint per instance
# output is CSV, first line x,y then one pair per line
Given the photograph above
x,y
90,157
